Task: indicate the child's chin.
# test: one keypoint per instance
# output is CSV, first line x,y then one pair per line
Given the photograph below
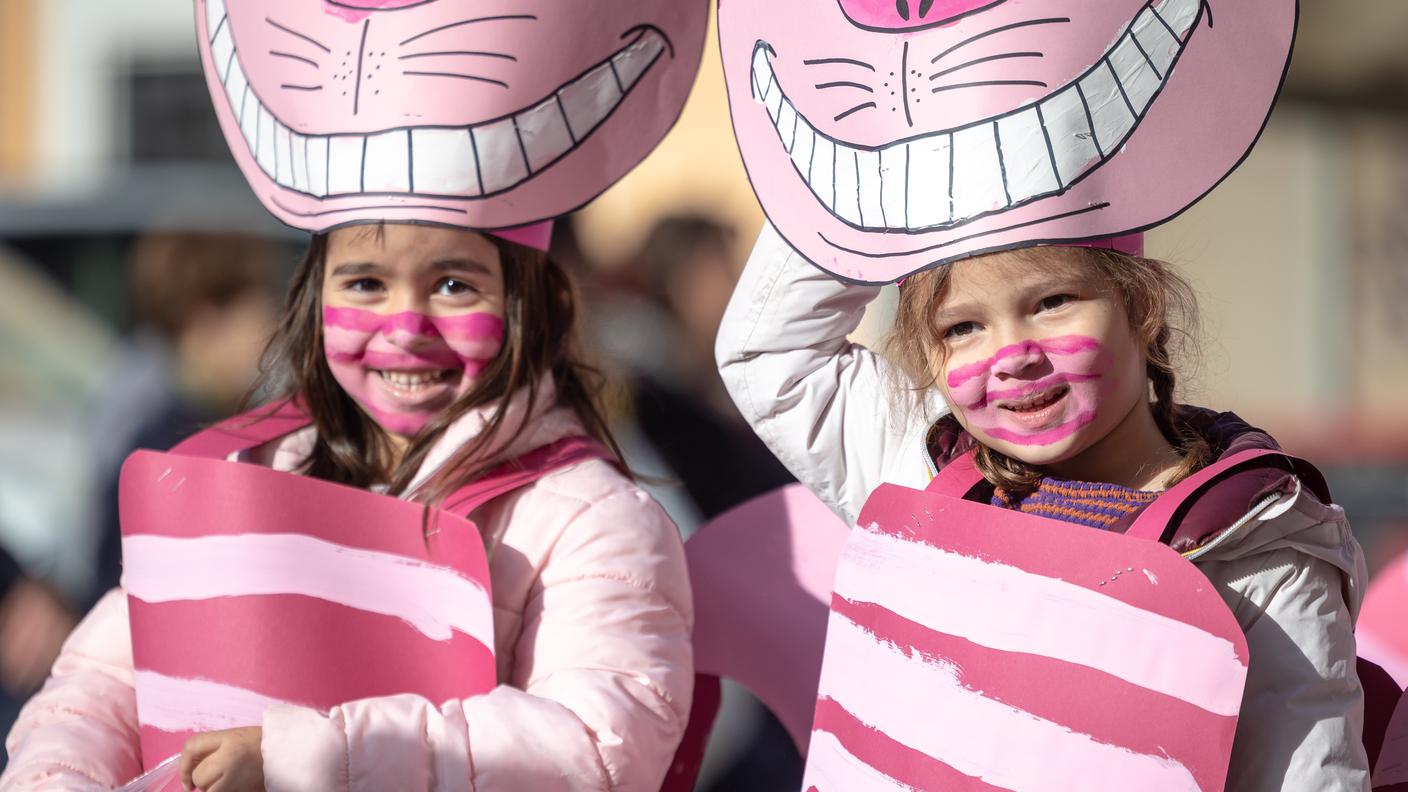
x,y
1037,455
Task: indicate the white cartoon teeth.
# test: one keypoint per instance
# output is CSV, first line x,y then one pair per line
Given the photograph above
x,y
948,177
434,162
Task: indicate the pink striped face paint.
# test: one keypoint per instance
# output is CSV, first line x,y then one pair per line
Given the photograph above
x,y
404,368
1034,393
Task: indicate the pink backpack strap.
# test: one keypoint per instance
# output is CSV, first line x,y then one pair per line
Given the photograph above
x,y
1160,520
525,470
958,478
243,432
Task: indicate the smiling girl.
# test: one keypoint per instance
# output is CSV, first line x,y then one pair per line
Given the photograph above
x,y
423,357
1050,371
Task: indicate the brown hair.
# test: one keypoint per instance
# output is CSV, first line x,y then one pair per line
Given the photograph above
x,y
176,275
540,319
1161,308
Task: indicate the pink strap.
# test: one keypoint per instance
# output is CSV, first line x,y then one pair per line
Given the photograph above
x,y
523,471
957,478
243,432
1169,508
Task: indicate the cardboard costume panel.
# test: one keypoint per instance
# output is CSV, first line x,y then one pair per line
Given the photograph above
x,y
1382,629
886,136
467,113
972,647
248,587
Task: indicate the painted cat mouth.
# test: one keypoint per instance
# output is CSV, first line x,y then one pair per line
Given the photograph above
x,y
453,162
944,179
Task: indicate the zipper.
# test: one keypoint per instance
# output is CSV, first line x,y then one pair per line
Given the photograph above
x,y
1241,524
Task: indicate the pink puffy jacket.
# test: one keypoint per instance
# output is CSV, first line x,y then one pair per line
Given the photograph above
x,y
592,616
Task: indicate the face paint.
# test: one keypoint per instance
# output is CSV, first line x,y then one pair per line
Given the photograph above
x,y
403,369
1035,412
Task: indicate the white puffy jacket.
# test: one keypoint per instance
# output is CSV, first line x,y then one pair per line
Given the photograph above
x,y
1290,569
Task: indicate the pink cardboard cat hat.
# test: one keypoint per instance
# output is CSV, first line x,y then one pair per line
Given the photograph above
x,y
884,137
494,115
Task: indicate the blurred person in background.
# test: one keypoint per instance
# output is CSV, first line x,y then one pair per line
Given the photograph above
x,y
203,306
681,405
34,621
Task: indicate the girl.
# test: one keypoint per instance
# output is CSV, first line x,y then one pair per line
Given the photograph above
x,y
1040,363
425,356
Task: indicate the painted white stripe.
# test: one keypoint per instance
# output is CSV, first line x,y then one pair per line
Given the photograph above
x,y
178,705
936,715
432,599
1041,616
831,768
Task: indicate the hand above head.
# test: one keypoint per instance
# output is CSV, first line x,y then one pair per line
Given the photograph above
x,y
224,761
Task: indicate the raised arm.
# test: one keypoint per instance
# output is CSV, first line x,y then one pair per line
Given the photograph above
x,y
824,405
599,696
80,731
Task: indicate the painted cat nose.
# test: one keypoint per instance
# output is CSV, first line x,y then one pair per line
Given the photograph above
x,y
897,16
372,5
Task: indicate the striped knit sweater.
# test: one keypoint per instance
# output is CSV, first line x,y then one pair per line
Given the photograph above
x,y
1097,505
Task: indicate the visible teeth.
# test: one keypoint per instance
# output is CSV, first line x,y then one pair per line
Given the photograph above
x,y
235,87
545,134
430,161
823,180
949,177
1179,15
406,380
636,59
1071,137
386,166
221,48
1037,401
500,155
787,124
930,161
803,146
264,141
772,97
893,179
588,101
318,166
299,144
214,13
1026,161
444,162
1135,73
1156,40
1113,120
847,186
345,164
868,174
977,172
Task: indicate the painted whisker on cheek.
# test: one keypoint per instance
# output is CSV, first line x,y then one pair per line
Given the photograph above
x,y
1059,345
1047,437
404,368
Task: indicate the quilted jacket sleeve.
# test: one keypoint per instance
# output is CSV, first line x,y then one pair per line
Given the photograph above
x,y
821,403
599,695
80,731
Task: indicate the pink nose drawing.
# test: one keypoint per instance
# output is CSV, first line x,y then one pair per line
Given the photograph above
x,y
357,10
900,15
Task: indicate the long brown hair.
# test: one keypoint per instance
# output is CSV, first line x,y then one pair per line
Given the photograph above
x,y
1161,308
540,315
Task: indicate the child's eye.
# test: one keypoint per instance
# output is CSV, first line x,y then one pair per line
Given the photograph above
x,y
455,287
1054,301
364,285
961,329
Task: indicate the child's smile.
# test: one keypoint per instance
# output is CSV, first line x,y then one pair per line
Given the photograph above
x,y
411,318
1040,362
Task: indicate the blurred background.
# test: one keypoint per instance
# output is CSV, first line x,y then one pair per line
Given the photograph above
x,y
139,278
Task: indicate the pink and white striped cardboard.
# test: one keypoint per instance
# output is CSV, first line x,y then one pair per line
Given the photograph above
x,y
249,587
971,647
